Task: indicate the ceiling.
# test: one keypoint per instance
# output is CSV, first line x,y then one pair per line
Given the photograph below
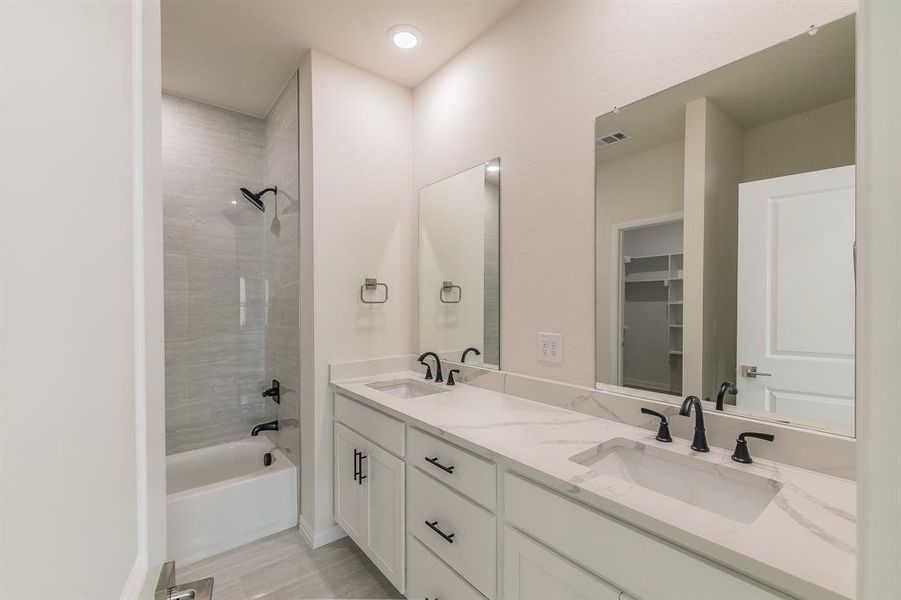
x,y
800,74
238,54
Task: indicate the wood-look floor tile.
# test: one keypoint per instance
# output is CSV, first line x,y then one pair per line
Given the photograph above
x,y
284,567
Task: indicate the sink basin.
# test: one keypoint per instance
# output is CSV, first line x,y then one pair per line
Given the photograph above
x,y
406,388
722,490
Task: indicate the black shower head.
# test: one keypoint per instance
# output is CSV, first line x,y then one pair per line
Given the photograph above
x,y
257,199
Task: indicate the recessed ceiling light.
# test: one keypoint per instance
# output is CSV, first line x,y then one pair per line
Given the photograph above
x,y
404,37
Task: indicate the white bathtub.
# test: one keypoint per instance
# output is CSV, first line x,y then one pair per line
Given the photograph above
x,y
222,497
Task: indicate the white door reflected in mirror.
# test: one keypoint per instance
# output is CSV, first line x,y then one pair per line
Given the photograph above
x,y
749,301
796,296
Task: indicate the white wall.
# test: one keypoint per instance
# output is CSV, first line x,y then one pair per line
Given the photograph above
x,y
529,91
363,225
813,140
151,418
878,299
80,299
721,174
642,185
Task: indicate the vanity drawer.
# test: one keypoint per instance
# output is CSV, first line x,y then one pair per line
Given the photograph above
x,y
473,476
429,577
647,567
385,431
471,550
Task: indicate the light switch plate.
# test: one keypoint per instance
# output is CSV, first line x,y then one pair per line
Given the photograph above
x,y
550,347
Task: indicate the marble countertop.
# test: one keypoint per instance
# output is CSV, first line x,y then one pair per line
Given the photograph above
x,y
803,543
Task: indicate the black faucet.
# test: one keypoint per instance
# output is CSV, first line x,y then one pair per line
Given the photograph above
x,y
439,378
270,426
727,387
274,392
467,351
450,376
699,443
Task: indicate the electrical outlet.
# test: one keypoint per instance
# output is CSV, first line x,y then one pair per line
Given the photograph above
x,y
550,347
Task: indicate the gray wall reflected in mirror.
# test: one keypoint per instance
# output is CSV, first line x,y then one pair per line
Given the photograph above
x,y
459,265
725,233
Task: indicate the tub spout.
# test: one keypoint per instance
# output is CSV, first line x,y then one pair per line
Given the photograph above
x,y
270,426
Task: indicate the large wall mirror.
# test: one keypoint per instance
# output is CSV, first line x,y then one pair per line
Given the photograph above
x,y
725,236
459,266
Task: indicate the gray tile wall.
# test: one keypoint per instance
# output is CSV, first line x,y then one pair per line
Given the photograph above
x,y
282,263
215,289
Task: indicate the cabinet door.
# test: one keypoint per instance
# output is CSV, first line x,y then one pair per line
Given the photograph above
x,y
532,572
384,477
351,510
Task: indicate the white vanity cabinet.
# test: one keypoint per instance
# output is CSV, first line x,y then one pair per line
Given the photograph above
x,y
430,577
619,553
461,533
532,572
441,521
351,502
369,485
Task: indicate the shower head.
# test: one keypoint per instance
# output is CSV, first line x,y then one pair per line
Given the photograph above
x,y
257,199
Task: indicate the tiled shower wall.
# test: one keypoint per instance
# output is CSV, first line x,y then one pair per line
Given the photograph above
x,y
215,303
282,263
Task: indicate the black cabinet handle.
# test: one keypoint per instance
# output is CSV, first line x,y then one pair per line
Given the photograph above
x,y
434,461
356,463
362,477
448,537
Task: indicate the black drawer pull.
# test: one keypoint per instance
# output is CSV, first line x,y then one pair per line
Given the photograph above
x,y
356,464
362,477
434,461
448,537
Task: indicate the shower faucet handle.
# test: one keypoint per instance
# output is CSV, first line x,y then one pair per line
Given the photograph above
x,y
275,392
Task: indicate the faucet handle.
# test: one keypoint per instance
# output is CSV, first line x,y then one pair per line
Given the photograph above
x,y
663,434
450,376
428,369
741,453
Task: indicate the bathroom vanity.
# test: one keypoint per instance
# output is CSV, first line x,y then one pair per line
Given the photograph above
x,y
724,269
466,492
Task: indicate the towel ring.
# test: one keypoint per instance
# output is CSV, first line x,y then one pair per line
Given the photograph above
x,y
371,284
448,286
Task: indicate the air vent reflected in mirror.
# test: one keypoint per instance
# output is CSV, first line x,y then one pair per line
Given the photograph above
x,y
611,138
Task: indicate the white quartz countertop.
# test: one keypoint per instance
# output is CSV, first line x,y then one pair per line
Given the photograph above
x,y
803,543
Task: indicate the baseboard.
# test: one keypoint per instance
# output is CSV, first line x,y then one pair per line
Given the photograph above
x,y
134,585
321,537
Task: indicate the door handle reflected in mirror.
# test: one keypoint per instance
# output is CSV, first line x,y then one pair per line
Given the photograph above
x,y
752,372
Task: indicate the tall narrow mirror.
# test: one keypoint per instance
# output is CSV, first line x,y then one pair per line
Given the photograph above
x,y
725,236
459,266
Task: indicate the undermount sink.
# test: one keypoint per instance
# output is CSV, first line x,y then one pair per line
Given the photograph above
x,y
722,490
406,388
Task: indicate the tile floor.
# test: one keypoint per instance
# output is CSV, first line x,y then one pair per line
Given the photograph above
x,y
284,567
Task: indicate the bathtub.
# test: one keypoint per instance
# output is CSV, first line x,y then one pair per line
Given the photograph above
x,y
223,496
